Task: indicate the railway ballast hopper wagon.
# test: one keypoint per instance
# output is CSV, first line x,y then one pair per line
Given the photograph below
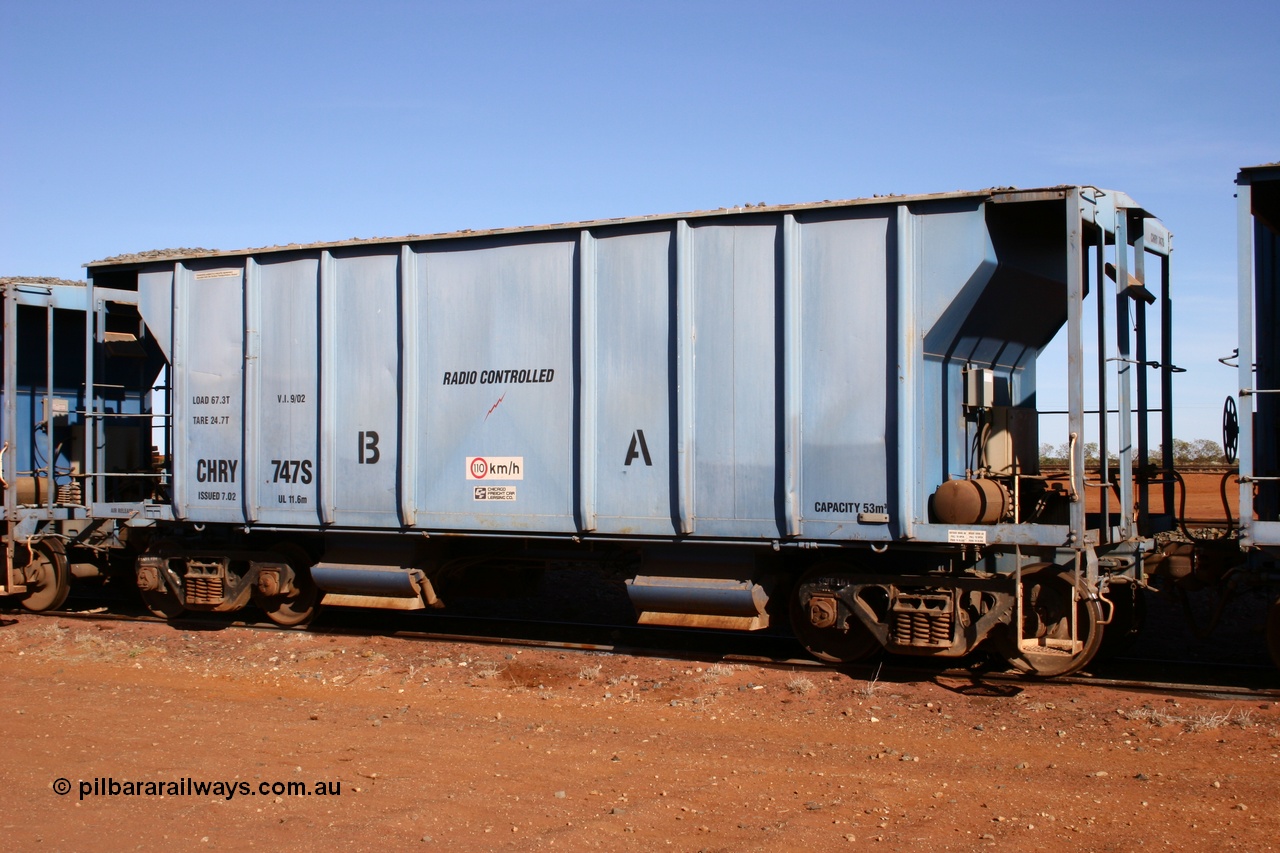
x,y
825,413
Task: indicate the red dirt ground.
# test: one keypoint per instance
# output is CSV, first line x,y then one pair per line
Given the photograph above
x,y
1204,495
445,746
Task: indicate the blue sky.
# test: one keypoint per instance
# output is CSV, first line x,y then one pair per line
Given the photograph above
x,y
127,126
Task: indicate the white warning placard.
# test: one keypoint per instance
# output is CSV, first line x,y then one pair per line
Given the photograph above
x,y
495,467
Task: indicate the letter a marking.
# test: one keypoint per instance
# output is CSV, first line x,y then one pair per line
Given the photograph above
x,y
637,441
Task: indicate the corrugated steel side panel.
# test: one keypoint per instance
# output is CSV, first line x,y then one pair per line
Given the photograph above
x,y
846,273
287,410
496,379
735,386
208,368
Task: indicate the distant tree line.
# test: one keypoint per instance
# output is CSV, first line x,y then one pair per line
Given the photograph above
x,y
1202,451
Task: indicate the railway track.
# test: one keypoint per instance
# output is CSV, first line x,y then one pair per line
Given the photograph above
x,y
1151,675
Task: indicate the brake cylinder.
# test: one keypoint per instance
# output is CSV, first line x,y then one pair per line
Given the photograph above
x,y
971,502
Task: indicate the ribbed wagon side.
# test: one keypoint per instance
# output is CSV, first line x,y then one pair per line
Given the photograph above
x,y
845,391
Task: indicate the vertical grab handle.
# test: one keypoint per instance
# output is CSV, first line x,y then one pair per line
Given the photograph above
x,y
1071,468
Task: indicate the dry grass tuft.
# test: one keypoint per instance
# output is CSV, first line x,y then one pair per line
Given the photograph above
x,y
717,671
487,669
1207,721
800,684
868,690
1202,721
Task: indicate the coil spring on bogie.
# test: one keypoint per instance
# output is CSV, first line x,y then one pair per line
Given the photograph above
x,y
923,620
205,581
922,629
204,590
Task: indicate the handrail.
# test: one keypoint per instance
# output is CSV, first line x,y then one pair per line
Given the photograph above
x,y
1071,467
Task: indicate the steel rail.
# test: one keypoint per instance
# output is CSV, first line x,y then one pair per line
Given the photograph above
x,y
888,670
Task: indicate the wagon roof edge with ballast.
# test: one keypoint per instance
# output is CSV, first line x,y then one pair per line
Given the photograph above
x,y
998,194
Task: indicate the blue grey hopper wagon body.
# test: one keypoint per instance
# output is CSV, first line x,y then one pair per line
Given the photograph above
x,y
826,412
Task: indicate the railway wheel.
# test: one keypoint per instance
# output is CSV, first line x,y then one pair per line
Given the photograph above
x,y
300,604
47,576
1051,600
822,622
